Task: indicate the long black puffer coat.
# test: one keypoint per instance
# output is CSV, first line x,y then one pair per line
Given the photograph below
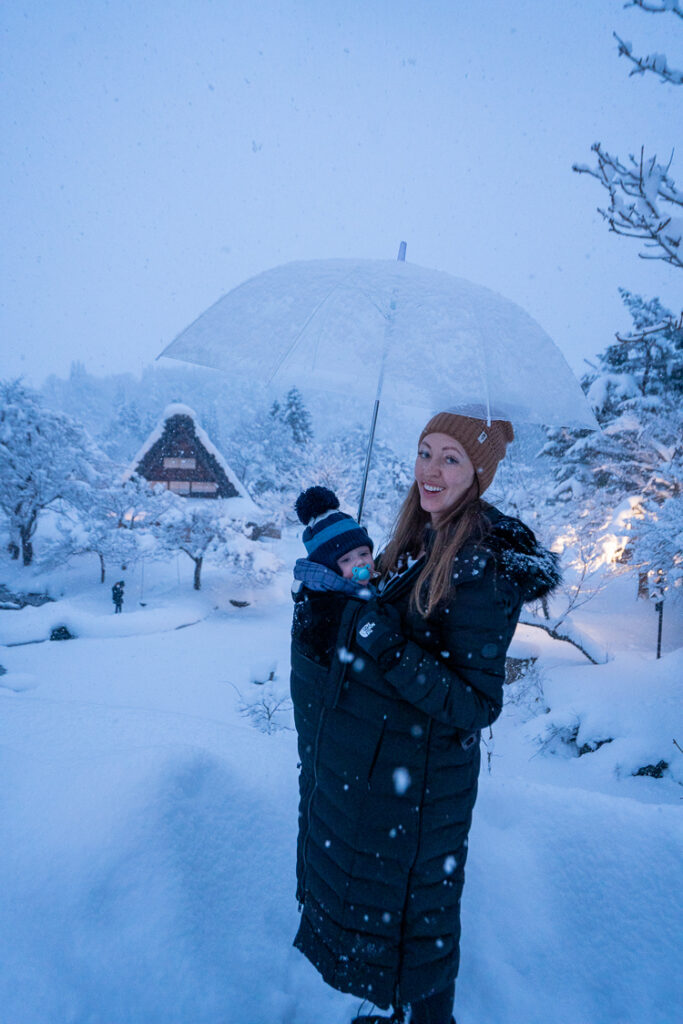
x,y
389,768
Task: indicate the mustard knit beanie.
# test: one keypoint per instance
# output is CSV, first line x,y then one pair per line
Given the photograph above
x,y
484,443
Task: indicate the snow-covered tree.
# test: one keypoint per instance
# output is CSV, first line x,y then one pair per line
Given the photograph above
x,y
90,535
625,477
270,449
112,520
200,528
658,547
294,415
46,458
133,503
644,202
616,485
522,481
128,427
339,465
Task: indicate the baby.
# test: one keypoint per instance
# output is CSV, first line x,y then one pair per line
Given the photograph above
x,y
339,565
333,538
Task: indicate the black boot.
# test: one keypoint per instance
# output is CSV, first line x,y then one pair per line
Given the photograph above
x,y
375,1018
397,1017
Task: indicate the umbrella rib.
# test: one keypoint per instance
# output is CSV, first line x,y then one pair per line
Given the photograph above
x,y
286,354
371,301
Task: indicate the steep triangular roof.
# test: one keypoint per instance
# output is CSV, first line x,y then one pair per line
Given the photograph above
x,y
230,486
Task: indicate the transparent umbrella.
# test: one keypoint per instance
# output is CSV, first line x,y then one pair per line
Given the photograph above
x,y
416,338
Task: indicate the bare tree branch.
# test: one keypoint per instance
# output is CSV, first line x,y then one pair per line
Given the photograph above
x,y
645,185
670,6
553,630
670,324
655,62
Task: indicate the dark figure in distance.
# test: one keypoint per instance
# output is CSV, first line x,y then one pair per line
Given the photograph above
x,y
117,596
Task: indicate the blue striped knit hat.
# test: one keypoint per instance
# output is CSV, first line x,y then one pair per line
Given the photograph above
x,y
329,533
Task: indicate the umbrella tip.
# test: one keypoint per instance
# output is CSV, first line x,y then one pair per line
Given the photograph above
x,y
402,252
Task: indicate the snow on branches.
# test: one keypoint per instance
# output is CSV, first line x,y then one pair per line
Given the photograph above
x,y
622,485
200,528
644,203
46,458
646,362
670,6
110,519
655,62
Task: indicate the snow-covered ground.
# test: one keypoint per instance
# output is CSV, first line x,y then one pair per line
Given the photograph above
x,y
149,824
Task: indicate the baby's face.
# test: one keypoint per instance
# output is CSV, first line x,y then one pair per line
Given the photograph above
x,y
356,557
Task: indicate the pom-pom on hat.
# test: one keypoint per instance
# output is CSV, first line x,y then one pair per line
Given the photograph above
x,y
484,443
329,533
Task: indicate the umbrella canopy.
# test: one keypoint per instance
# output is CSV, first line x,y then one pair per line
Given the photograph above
x,y
428,340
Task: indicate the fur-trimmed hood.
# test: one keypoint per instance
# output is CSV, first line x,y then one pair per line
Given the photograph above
x,y
517,554
519,557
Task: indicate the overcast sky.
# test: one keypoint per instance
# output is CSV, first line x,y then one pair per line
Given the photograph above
x,y
155,154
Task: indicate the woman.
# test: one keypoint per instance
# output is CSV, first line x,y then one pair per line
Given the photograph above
x,y
389,732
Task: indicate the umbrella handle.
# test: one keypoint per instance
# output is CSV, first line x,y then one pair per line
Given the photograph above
x,y
367,459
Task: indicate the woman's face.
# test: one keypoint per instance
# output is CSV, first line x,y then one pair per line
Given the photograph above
x,y
443,473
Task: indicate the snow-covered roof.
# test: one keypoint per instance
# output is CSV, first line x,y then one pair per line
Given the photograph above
x,y
246,503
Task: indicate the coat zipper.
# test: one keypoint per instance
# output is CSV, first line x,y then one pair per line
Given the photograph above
x,y
397,995
398,583
377,750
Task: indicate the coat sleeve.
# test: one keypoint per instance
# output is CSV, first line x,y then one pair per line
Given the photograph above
x,y
462,685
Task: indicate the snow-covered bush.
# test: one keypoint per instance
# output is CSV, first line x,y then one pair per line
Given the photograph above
x,y
620,717
268,712
524,691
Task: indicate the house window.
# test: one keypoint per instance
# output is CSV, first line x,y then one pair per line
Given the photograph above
x,y
204,487
179,486
180,463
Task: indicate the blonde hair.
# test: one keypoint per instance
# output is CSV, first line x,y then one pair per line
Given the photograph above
x,y
464,520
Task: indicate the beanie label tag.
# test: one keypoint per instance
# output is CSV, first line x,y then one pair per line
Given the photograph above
x,y
482,437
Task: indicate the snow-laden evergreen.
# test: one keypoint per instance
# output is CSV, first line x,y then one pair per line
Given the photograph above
x,y
618,489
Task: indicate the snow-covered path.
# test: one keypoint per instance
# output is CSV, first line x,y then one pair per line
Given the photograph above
x,y
149,833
